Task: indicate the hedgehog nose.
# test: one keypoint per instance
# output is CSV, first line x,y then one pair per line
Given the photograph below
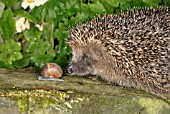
x,y
70,69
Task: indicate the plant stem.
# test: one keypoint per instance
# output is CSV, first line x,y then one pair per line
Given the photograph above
x,y
51,35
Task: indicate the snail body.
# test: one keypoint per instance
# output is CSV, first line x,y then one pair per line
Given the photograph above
x,y
50,71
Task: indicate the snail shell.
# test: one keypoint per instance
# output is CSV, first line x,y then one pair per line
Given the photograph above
x,y
51,70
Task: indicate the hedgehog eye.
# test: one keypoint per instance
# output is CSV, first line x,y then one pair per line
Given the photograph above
x,y
84,57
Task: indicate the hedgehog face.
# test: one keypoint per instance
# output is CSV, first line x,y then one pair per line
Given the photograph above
x,y
82,63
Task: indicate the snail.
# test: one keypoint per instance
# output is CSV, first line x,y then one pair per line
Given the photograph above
x,y
50,71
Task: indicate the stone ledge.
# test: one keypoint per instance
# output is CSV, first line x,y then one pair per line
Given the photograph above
x,y
20,91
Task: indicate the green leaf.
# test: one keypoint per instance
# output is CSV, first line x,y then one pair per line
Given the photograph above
x,y
32,35
36,13
97,8
72,7
39,60
4,64
113,3
61,33
62,60
45,12
21,63
128,4
9,3
38,52
70,3
152,2
2,6
38,47
166,2
51,52
63,48
10,51
85,8
51,14
63,54
25,14
13,56
79,18
110,5
7,24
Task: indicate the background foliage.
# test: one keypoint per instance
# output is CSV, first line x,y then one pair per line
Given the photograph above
x,y
34,47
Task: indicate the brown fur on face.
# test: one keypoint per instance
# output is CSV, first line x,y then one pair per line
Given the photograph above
x,y
130,49
85,59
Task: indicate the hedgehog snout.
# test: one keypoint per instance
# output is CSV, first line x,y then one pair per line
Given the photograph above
x,y
70,69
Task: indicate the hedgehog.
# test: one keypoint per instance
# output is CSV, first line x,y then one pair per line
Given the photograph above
x,y
129,49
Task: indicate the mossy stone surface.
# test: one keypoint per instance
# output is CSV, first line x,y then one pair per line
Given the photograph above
x,y
21,92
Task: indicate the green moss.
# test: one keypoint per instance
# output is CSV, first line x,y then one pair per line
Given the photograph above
x,y
154,106
41,101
